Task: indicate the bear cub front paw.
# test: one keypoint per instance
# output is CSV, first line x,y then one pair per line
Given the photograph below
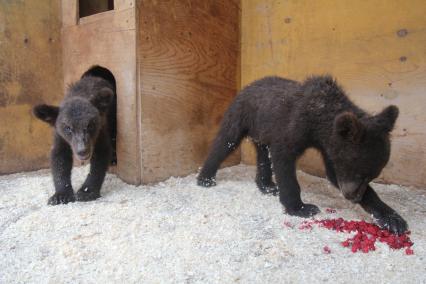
x,y
61,198
304,211
266,186
269,189
86,195
393,222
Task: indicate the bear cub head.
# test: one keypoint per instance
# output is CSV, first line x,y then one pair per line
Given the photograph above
x,y
360,149
81,115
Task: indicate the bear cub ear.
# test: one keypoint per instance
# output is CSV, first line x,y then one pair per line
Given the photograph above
x,y
46,113
102,99
348,127
385,121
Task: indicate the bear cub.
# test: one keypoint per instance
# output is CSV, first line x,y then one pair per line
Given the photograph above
x,y
84,125
284,118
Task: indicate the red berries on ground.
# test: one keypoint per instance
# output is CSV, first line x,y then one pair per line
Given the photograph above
x,y
365,237
330,211
288,224
305,226
409,251
326,250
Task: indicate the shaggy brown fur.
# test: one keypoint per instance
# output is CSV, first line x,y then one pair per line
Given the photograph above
x,y
284,118
82,126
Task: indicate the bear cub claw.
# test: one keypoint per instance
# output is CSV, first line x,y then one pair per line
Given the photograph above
x,y
206,181
61,198
305,211
87,195
393,222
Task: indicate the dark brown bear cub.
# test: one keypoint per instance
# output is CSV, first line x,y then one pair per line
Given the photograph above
x,y
284,118
82,125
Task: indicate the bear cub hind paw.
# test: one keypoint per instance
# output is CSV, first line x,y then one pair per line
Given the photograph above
x,y
269,189
206,181
304,211
83,195
61,198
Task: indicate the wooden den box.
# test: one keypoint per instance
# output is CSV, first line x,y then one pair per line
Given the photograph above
x,y
175,64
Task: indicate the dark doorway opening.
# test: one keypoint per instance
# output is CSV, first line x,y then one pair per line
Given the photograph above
x,y
91,7
104,73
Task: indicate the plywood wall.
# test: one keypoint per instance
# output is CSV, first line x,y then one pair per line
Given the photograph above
x,y
375,48
187,61
108,39
30,73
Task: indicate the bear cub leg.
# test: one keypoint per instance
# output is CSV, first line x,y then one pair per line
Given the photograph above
x,y
264,170
386,217
285,173
220,150
102,153
228,139
61,164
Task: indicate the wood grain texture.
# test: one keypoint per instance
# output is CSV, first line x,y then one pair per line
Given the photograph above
x,y
187,61
109,39
374,48
30,73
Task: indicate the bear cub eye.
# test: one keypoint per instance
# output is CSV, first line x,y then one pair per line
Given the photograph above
x,y
91,127
67,130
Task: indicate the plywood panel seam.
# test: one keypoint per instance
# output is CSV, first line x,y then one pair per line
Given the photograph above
x,y
138,97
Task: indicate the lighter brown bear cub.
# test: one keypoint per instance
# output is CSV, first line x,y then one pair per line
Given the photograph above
x,y
83,126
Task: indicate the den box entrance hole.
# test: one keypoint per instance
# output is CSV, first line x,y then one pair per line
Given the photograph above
x,y
91,7
104,73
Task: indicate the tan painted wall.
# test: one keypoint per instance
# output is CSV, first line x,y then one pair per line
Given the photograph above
x,y
376,50
30,73
188,62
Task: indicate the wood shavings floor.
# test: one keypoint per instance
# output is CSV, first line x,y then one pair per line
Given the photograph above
x,y
177,232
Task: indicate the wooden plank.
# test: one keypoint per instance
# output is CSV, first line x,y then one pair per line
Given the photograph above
x,y
109,39
69,13
187,62
124,4
30,73
374,48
